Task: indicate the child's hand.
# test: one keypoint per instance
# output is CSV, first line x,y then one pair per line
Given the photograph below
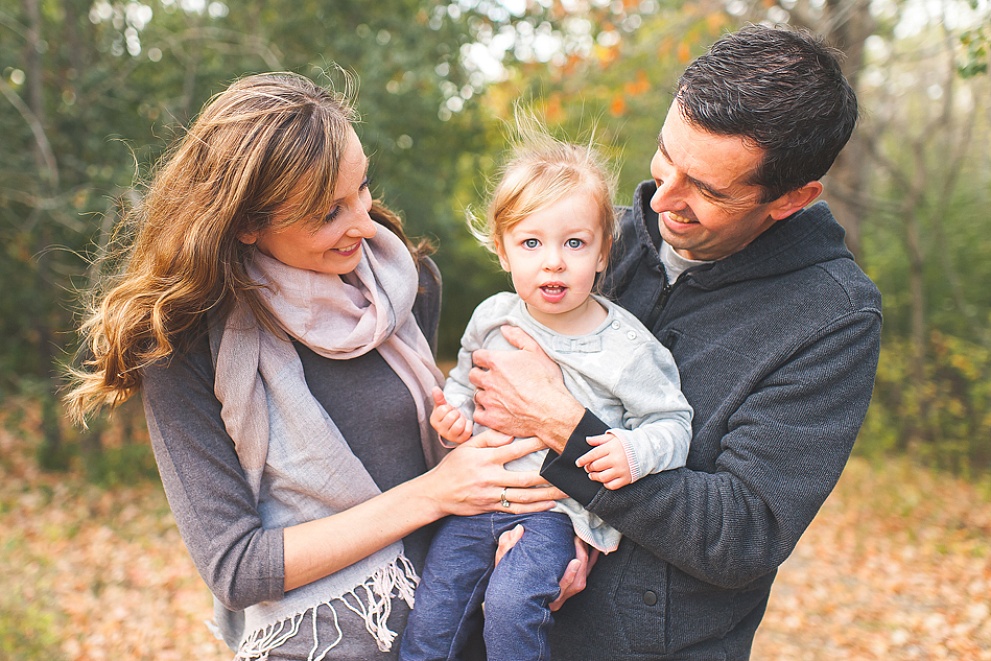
x,y
448,421
606,463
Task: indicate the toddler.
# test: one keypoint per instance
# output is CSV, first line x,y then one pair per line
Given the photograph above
x,y
550,222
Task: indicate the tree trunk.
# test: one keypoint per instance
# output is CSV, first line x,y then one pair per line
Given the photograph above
x,y
52,452
847,25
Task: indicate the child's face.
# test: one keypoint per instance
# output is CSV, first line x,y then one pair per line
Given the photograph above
x,y
553,256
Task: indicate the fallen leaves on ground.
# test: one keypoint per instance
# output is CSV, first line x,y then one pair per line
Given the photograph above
x,y
896,566
94,574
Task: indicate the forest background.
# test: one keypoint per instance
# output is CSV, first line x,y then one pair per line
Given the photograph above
x,y
94,91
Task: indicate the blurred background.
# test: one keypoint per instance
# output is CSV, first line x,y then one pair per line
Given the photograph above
x,y
94,91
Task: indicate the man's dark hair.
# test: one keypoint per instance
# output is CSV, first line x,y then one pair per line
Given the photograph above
x,y
781,90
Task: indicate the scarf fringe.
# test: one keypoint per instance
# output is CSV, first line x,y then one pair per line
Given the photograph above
x,y
372,602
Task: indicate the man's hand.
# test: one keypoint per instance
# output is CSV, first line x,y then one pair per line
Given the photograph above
x,y
450,423
522,393
607,462
575,574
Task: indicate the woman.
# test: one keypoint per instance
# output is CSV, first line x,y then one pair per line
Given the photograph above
x,y
275,319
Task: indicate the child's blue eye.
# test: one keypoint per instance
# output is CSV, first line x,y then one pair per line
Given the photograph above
x,y
574,243
530,243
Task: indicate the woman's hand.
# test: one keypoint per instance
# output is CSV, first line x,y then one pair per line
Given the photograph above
x,y
522,392
575,574
472,479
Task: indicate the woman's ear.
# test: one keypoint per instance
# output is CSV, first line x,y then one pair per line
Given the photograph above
x,y
248,238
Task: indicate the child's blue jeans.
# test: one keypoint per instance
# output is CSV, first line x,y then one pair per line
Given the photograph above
x,y
459,576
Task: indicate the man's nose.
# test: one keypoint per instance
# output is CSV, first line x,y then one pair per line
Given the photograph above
x,y
669,196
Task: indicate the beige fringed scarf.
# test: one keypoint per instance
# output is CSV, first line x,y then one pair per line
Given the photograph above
x,y
297,463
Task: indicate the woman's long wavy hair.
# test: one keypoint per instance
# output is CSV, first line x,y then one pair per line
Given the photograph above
x,y
264,138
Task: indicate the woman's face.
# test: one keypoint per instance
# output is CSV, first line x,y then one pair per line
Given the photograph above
x,y
333,246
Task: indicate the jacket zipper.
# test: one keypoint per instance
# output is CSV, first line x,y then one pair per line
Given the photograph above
x,y
662,299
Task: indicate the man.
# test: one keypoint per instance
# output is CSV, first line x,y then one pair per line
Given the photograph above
x,y
776,333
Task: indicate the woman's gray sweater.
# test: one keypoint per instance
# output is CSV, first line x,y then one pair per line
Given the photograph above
x,y
241,562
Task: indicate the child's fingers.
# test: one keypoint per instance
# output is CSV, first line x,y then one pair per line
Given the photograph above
x,y
600,439
592,455
461,430
438,395
452,416
605,474
617,483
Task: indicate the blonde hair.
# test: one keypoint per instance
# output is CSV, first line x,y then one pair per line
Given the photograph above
x,y
540,171
263,139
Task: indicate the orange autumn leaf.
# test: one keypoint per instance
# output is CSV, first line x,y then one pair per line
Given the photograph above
x,y
553,111
618,106
640,84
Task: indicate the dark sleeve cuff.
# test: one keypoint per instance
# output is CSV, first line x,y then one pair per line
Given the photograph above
x,y
560,469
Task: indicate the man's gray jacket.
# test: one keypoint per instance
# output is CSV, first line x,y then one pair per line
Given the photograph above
x,y
777,347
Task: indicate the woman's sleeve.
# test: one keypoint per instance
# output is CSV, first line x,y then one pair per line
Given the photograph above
x,y
214,509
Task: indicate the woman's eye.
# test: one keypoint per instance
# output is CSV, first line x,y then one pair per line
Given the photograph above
x,y
364,185
332,214
574,243
530,243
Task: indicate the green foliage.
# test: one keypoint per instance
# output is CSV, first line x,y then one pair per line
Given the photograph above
x,y
976,46
942,418
27,631
94,90
624,87
132,463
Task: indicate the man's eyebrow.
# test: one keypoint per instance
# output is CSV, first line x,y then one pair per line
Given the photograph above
x,y
661,147
701,185
709,190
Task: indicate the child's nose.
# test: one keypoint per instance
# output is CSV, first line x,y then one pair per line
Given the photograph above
x,y
553,260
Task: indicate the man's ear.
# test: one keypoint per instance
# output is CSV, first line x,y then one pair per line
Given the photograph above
x,y
794,200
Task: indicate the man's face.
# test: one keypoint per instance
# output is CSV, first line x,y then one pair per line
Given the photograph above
x,y
707,209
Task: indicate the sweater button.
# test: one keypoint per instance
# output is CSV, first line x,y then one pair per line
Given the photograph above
x,y
649,598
